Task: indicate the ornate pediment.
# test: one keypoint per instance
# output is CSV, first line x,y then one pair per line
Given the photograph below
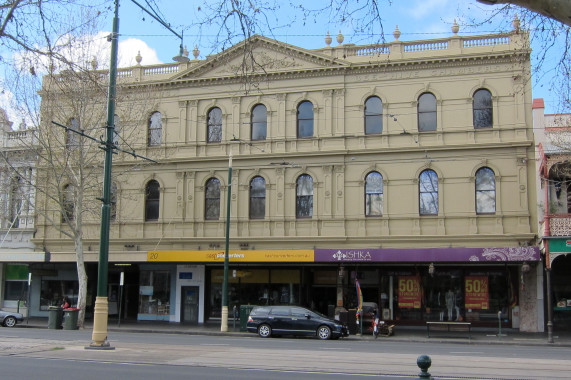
x,y
259,56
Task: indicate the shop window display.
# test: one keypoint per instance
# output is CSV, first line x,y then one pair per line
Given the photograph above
x,y
414,296
53,292
254,287
154,292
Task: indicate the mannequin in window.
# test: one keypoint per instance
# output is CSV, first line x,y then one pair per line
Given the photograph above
x,y
458,299
450,299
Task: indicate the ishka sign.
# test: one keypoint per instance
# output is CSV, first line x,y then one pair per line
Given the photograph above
x,y
409,292
477,295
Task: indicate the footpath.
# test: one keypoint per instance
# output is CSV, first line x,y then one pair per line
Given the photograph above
x,y
401,333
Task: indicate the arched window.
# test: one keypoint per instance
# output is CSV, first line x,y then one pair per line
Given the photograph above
x,y
428,192
113,196
485,191
212,199
426,112
72,138
155,133
15,201
305,119
116,130
257,198
259,122
214,132
373,116
304,197
482,107
152,200
68,197
374,194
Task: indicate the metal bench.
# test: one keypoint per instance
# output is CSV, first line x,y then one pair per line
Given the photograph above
x,y
449,326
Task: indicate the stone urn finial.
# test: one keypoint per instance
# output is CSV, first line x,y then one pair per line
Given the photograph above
x,y
94,63
185,51
195,52
396,33
340,37
455,27
328,39
516,23
138,58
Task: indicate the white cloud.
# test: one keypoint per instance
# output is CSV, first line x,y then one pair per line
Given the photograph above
x,y
129,48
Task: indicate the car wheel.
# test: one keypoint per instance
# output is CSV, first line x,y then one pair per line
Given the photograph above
x,y
10,321
264,331
324,332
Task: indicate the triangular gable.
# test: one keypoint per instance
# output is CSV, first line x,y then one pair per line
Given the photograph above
x,y
260,55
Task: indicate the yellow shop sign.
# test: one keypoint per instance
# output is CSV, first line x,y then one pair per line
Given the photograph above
x,y
283,256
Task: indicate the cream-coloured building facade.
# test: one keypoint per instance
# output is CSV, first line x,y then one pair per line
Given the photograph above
x,y
407,165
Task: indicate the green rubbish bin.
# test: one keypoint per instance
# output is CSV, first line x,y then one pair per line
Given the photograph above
x,y
55,317
244,313
70,318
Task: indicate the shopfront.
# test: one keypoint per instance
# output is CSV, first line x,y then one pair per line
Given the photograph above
x,y
560,264
412,286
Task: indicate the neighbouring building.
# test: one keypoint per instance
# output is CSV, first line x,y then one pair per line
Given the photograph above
x,y
17,203
407,165
553,138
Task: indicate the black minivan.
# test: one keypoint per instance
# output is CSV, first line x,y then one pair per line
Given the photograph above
x,y
293,320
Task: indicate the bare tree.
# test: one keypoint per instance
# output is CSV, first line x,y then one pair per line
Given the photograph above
x,y
69,164
559,10
38,25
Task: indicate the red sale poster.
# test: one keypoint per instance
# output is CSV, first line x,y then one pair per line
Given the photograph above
x,y
409,292
477,295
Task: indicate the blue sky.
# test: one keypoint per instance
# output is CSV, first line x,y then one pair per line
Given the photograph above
x,y
416,19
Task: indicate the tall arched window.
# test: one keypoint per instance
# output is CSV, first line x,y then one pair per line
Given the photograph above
x,y
68,197
15,201
72,138
259,122
373,116
152,200
212,199
305,119
257,198
374,194
155,132
485,191
214,127
304,197
428,192
426,112
482,108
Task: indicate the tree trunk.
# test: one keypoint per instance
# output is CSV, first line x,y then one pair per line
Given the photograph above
x,y
82,279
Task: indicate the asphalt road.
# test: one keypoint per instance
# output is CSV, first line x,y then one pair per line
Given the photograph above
x,y
42,354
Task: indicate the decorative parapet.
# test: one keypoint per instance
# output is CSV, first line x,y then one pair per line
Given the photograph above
x,y
432,48
560,226
393,51
19,138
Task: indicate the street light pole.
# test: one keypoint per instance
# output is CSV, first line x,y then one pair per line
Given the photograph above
x,y
224,323
101,310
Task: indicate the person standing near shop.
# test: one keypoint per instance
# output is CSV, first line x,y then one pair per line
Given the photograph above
x,y
65,303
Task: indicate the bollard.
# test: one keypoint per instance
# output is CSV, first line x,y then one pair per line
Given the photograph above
x,y
423,362
500,324
234,310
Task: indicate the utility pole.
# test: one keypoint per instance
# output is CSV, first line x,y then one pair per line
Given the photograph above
x,y
101,311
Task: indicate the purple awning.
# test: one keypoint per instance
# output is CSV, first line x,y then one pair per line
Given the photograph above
x,y
428,255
